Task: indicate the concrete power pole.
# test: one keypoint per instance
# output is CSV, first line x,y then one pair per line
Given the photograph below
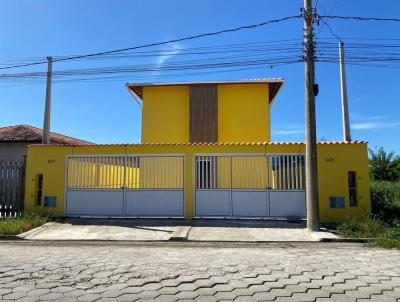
x,y
47,108
343,86
311,140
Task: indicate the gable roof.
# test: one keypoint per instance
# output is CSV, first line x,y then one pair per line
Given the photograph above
x,y
33,135
275,84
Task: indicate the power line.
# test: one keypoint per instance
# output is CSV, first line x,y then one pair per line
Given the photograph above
x,y
162,43
330,29
359,18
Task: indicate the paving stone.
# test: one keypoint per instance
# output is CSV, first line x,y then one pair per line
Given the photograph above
x,y
4,291
148,294
128,298
168,290
243,292
75,293
188,286
132,290
46,285
28,299
51,296
185,279
23,288
187,295
206,291
171,282
14,296
89,298
166,298
382,298
13,284
223,288
67,299
111,294
225,296
392,293
205,283
264,296
206,299
245,299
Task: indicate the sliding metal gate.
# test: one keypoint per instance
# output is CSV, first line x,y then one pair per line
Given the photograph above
x,y
133,186
253,186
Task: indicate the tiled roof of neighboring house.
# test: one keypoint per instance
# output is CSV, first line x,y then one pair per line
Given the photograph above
x,y
235,144
33,135
275,84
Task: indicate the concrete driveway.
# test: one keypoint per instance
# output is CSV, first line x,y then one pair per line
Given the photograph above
x,y
163,230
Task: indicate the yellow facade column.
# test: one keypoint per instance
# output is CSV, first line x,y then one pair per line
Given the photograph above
x,y
189,190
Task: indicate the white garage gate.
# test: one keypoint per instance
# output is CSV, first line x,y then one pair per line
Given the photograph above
x,y
250,186
125,186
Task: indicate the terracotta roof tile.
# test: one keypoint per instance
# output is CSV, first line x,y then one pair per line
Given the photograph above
x,y
231,144
33,135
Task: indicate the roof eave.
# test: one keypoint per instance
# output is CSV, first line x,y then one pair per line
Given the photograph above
x,y
271,101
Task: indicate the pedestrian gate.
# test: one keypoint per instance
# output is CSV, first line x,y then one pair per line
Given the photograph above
x,y
131,186
252,186
11,188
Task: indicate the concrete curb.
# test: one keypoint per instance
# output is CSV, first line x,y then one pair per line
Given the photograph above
x,y
184,244
351,240
9,237
180,234
35,230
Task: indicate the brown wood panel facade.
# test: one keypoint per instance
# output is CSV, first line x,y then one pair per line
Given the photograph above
x,y
203,109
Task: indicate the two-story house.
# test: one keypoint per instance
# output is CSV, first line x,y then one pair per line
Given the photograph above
x,y
206,152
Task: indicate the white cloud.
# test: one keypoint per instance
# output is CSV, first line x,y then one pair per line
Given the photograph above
x,y
175,49
374,125
289,132
360,117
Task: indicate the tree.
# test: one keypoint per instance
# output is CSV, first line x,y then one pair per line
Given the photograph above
x,y
384,165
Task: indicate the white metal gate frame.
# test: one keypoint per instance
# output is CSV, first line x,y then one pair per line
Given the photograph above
x,y
232,155
124,189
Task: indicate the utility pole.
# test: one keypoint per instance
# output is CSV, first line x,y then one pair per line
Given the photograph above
x,y
343,86
311,140
47,107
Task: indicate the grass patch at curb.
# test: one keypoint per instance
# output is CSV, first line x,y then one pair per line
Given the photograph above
x,y
28,221
387,235
384,222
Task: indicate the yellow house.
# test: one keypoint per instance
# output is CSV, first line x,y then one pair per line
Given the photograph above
x,y
206,152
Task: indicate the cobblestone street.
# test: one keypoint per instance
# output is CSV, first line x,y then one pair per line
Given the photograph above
x,y
182,272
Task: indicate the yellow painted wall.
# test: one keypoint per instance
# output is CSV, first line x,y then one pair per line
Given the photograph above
x,y
334,161
165,114
243,113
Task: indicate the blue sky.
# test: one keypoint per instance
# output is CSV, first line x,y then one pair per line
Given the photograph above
x,y
104,112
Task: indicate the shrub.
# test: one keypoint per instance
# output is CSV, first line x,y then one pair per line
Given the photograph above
x,y
385,200
391,237
384,165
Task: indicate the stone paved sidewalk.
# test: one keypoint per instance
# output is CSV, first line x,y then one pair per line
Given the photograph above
x,y
30,272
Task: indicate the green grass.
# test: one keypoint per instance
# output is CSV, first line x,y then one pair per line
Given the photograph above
x,y
22,224
387,235
384,222
361,228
